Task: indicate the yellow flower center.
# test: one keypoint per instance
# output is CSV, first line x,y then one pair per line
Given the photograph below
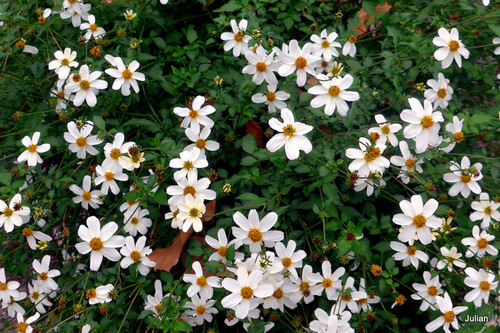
x,y
188,165
453,45
334,91
32,148
432,291
222,251
459,136
60,95
136,256
482,243
352,39
375,136
411,250
442,93
85,85
246,293
324,64
419,221
484,286
81,142
385,129
261,67
65,62
93,27
86,196
427,122
42,19
134,220
27,232
300,63
21,327
127,74
449,316
289,130
271,96
465,178
109,176
77,78
346,298
278,294
488,210
201,281
194,212
362,301
96,244
327,283
158,307
43,276
325,44
451,260
376,270
200,143
304,286
410,163
287,262
200,310
372,153
91,293
3,286
189,190
239,36
35,295
115,153
255,235
400,299
193,114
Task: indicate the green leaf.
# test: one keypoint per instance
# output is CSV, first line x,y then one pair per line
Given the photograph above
x,y
5,177
249,144
480,118
191,35
150,125
160,43
248,160
99,122
288,22
229,7
230,253
195,251
369,7
250,197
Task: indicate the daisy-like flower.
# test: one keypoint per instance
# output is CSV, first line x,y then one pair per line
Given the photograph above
x,y
244,290
153,303
221,245
254,232
368,159
24,326
465,178
87,87
261,66
305,284
408,254
76,10
63,63
14,214
333,94
333,323
329,282
449,315
479,244
99,295
446,227
84,195
80,140
272,98
38,297
108,179
31,153
451,257
191,211
325,45
14,308
202,309
45,275
125,76
482,282
136,221
427,292
45,14
299,60
349,47
408,163
199,283
450,47
136,252
418,219
385,131
291,136
454,128
423,124
237,40
189,162
369,183
196,115
190,185
61,95
133,161
485,210
350,298
32,236
440,92
290,260
371,298
114,152
92,29
7,289
200,140
100,242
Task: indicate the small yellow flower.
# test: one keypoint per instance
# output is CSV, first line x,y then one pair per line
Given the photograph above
x,y
218,81
421,86
446,226
337,68
226,188
129,14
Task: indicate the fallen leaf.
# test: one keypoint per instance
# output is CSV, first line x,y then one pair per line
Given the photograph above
x,y
363,17
255,129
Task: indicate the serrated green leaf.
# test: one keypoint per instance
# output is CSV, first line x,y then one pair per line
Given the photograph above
x,y
191,35
99,122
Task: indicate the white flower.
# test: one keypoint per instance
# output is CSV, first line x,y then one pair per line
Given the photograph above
x,y
196,115
409,254
333,323
136,221
84,195
80,140
451,258
329,282
14,308
190,185
350,46
350,300
386,131
272,98
189,162
333,94
163,2
32,236
87,88
86,328
204,286
303,286
45,276
440,92
482,282
237,40
300,60
99,294
417,218
450,47
408,163
92,29
291,136
153,303
38,297
62,96
100,242
31,153
202,309
449,316
125,76
220,246
255,232
280,297
7,289
108,179
485,210
486,2
496,41
368,159
63,62
136,252
245,292
14,214
262,66
465,178
24,326
76,10
200,140
369,183
325,45
191,211
427,292
114,151
454,128
423,124
289,259
30,49
479,244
